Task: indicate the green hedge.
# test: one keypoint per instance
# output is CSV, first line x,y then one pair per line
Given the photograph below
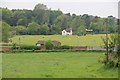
x,y
26,47
63,47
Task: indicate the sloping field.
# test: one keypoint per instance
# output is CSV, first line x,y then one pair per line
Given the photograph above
x,y
88,40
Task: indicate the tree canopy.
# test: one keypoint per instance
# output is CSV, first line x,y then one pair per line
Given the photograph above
x,y
5,31
42,20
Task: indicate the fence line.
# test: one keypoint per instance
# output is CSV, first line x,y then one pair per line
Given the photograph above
x,y
87,48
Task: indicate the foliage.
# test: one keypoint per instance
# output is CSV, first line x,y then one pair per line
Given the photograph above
x,y
49,45
55,21
40,7
6,15
44,29
62,21
113,62
111,59
14,46
26,47
81,31
5,31
20,30
32,28
76,23
22,21
63,47
112,42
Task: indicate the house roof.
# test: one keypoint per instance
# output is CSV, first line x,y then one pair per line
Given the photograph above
x,y
68,29
56,42
41,42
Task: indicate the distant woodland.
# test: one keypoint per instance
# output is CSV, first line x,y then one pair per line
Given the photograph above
x,y
44,21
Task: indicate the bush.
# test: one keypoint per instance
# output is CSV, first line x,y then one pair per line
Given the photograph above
x,y
26,47
110,63
49,45
14,46
63,47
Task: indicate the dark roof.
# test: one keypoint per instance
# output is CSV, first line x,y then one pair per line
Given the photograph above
x,y
68,29
56,42
41,42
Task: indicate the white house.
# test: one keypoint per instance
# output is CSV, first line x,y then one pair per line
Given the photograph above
x,y
67,31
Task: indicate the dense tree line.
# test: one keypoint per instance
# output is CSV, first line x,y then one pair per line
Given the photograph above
x,y
44,21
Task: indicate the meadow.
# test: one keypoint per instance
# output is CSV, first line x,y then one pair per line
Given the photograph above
x,y
56,65
73,40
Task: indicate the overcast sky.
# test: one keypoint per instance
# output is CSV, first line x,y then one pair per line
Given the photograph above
x,y
102,8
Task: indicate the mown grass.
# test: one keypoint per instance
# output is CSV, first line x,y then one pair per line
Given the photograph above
x,y
56,65
88,40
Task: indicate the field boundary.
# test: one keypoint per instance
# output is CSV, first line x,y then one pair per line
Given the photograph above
x,y
60,78
38,51
7,48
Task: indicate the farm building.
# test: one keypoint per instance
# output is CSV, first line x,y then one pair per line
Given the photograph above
x,y
42,43
67,31
56,43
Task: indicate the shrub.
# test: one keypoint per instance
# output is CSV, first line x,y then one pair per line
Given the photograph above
x,y
63,47
110,63
26,47
14,46
49,45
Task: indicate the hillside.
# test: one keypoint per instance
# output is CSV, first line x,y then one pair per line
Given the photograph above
x,y
88,40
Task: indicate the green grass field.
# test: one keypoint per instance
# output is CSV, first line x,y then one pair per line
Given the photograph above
x,y
56,65
88,40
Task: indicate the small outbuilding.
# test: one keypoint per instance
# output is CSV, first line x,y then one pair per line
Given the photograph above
x,y
40,43
56,43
